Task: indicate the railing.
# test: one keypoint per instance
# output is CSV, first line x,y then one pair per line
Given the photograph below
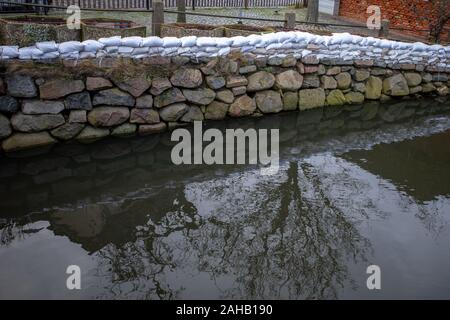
x,y
141,4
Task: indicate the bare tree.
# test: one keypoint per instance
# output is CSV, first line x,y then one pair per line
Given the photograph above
x,y
435,13
313,11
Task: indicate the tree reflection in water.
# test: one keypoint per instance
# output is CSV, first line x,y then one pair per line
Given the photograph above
x,y
254,237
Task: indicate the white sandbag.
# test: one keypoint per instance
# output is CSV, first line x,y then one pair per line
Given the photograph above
x,y
139,51
29,53
123,49
134,42
284,36
50,55
269,38
240,41
47,46
247,48
92,45
224,42
87,54
152,42
71,55
254,39
169,42
210,49
190,41
111,49
155,50
201,54
111,41
206,42
10,51
169,51
70,46
274,46
224,51
184,50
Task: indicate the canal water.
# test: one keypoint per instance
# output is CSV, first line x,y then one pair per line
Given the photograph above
x,y
357,186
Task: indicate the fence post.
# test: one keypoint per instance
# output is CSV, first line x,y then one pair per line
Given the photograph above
x,y
181,6
384,30
157,17
148,4
289,20
193,5
312,14
245,4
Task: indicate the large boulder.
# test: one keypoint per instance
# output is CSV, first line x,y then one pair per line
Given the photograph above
x,y
144,116
328,82
168,97
225,95
67,131
374,87
215,82
259,81
144,102
187,78
97,83
242,106
34,123
78,101
135,86
311,98
413,79
91,134
108,116
21,141
124,130
311,81
344,80
269,101
8,104
173,112
216,110
42,107
336,98
193,114
58,88
290,101
396,86
21,86
202,96
113,97
289,80
354,97
159,85
5,127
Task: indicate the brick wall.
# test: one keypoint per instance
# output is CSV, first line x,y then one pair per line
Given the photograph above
x,y
396,11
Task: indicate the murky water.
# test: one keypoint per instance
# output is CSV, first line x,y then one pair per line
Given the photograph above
x,y
350,193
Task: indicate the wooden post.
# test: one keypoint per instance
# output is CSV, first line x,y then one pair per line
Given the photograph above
x,y
157,17
245,4
181,6
313,11
193,5
147,3
289,20
384,30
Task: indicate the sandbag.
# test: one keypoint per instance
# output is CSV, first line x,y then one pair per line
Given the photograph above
x,y
47,46
70,46
190,41
152,42
92,45
170,42
111,41
134,42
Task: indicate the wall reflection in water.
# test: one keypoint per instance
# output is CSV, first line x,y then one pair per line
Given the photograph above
x,y
160,231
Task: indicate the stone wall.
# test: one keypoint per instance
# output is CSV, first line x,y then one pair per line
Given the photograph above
x,y
45,102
